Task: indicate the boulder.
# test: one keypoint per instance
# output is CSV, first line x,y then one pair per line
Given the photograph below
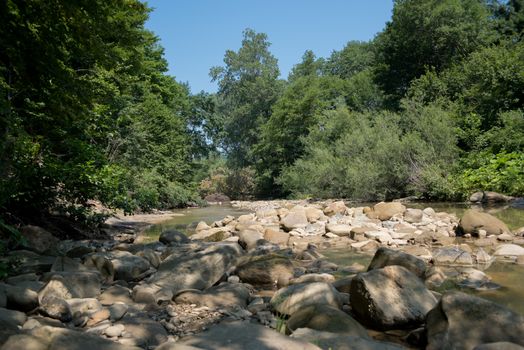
x,y
248,238
314,214
339,229
413,215
129,267
29,262
201,226
143,330
276,237
115,294
385,211
242,335
56,308
294,219
217,234
102,264
509,250
326,318
452,256
223,295
335,208
11,319
19,297
266,270
390,298
489,197
196,269
337,341
462,321
152,257
473,220
68,285
290,299
38,239
388,257
313,277
173,237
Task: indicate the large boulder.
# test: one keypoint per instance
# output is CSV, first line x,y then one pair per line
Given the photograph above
x,y
195,269
242,335
385,211
387,257
266,270
249,239
473,220
390,298
173,237
68,285
11,319
326,318
489,197
462,321
297,296
19,297
39,239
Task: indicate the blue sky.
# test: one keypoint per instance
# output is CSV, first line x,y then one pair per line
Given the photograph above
x,y
196,33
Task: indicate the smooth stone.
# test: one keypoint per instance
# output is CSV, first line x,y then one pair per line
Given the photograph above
x,y
114,331
266,270
387,257
290,299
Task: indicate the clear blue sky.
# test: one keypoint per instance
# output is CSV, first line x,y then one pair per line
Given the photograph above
x,y
196,33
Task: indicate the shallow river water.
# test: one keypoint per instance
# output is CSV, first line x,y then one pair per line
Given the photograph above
x,y
509,276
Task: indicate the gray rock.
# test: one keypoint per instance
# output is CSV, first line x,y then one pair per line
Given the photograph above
x,y
144,330
503,345
223,295
385,211
413,215
297,296
473,220
39,239
63,263
462,321
116,294
68,285
102,264
294,219
19,298
388,257
11,319
173,237
452,256
509,250
129,267
266,270
248,238
117,311
114,331
56,308
390,298
243,335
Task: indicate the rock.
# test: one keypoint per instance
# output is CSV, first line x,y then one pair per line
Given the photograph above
x,y
152,257
326,318
297,296
489,197
38,239
413,215
390,298
266,270
294,219
11,319
144,330
56,308
223,295
452,256
339,229
60,339
276,237
385,211
505,237
380,236
84,305
19,297
65,264
502,345
335,208
202,226
243,335
114,331
314,214
332,341
211,235
248,238
509,250
102,264
462,321
129,267
387,257
115,294
173,237
77,284
473,220
198,269
313,277
98,316
117,311
79,251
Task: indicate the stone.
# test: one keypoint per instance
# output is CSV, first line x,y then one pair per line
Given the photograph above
x,y
248,238
266,270
339,229
201,226
387,257
462,321
473,220
334,208
223,295
83,305
502,345
452,256
173,237
505,237
211,235
199,269
102,264
11,319
144,330
509,250
242,335
290,299
413,215
114,331
295,219
65,264
314,214
39,239
385,211
117,311
18,297
390,298
98,316
326,318
489,197
313,277
277,237
129,267
56,308
337,341
116,294
78,284
380,236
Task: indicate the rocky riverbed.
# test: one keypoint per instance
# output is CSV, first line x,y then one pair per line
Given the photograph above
x,y
260,281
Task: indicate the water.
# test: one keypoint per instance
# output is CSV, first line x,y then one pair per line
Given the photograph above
x,y
509,276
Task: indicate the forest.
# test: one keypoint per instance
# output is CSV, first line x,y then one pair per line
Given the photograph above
x,y
431,107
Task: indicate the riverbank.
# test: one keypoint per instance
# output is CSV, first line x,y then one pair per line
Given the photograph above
x,y
261,279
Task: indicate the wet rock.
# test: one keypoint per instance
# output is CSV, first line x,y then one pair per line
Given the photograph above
x,y
489,197
297,296
473,220
223,295
243,335
266,270
173,237
387,257
462,321
390,298
385,211
452,256
326,318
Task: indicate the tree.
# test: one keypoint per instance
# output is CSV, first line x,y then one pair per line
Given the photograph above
x,y
248,88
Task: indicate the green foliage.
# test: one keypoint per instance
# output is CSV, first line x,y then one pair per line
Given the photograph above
x,y
233,182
